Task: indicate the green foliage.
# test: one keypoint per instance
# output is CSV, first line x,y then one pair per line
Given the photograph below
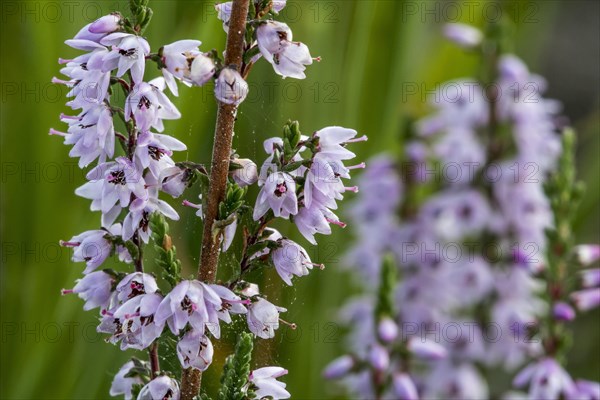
x,y
141,15
385,295
166,257
236,370
234,199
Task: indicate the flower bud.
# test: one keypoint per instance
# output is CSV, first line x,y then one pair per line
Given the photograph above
x,y
463,35
404,387
246,175
563,312
230,87
587,254
591,278
426,350
106,24
387,330
195,351
202,70
339,367
586,299
379,357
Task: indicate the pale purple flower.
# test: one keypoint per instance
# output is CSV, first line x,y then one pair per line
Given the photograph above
x,y
339,367
586,390
136,284
160,388
455,382
229,234
290,259
404,387
95,289
246,175
128,52
266,384
154,151
122,384
149,106
106,24
175,180
587,299
333,141
379,358
587,253
113,183
231,303
185,62
91,133
463,35
426,349
591,277
230,87
316,219
85,34
93,247
263,318
547,380
276,46
387,330
278,194
137,327
88,87
191,302
137,219
195,350
563,312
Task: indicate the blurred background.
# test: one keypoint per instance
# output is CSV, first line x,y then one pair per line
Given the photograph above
x,y
374,54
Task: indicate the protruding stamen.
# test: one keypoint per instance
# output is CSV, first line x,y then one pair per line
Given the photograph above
x,y
320,266
134,315
61,81
106,312
290,324
363,138
357,166
352,189
190,204
68,244
69,117
247,301
317,59
53,131
64,61
66,291
338,223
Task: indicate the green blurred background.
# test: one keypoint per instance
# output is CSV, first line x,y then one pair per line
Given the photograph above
x,y
371,50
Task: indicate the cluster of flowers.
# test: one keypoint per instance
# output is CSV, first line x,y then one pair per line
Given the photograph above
x,y
441,248
125,189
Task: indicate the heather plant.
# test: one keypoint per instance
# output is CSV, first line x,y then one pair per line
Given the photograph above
x,y
464,247
130,172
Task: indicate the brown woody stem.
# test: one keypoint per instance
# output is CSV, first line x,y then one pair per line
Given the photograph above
x,y
209,256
